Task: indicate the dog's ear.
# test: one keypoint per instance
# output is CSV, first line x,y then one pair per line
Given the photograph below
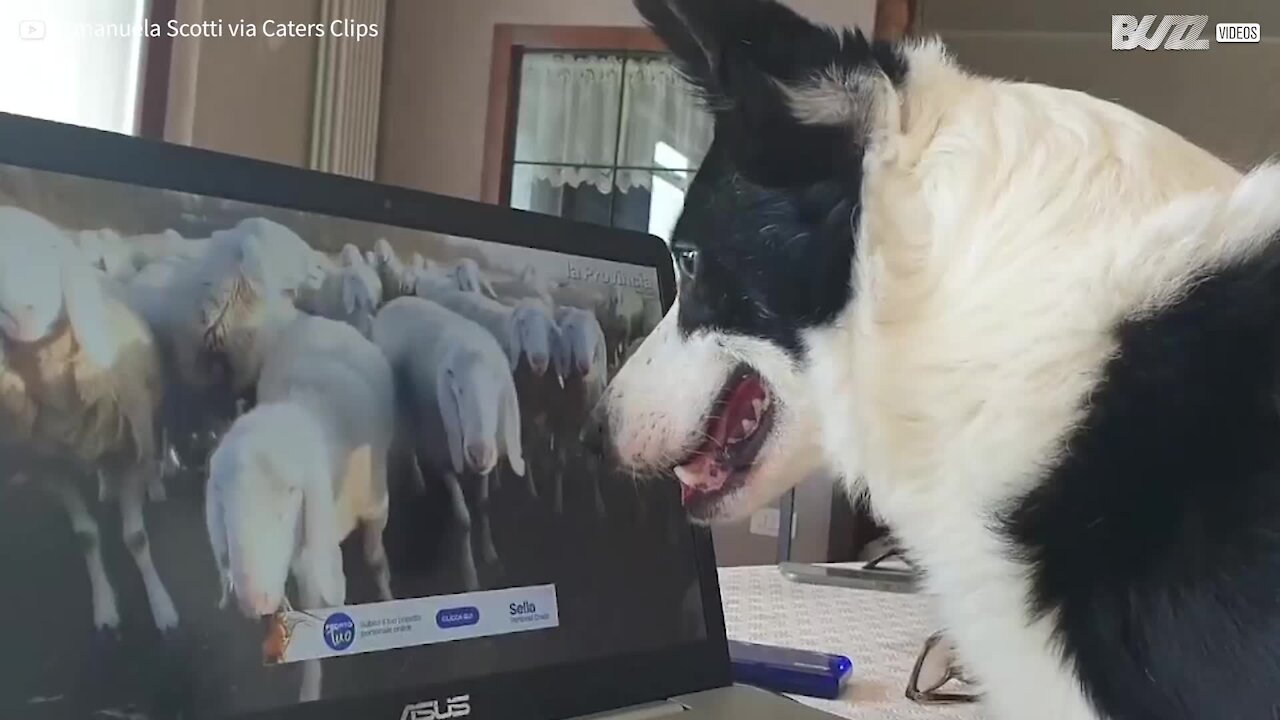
x,y
790,97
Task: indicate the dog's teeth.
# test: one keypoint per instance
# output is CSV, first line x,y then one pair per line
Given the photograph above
x,y
748,427
685,476
757,406
766,402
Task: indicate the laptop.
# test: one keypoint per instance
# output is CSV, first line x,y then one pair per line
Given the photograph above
x,y
567,590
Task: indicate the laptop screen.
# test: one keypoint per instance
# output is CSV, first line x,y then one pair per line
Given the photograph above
x,y
545,559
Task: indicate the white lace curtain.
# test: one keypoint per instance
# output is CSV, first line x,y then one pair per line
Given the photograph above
x,y
576,122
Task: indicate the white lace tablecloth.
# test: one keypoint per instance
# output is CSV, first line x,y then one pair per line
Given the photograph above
x,y
882,633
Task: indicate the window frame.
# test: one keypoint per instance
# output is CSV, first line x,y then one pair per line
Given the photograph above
x,y
510,43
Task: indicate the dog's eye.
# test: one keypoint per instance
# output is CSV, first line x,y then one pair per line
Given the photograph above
x,y
688,259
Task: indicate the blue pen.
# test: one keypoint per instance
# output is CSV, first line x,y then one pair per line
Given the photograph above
x,y
785,670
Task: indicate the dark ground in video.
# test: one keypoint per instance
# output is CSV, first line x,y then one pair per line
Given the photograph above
x,y
55,666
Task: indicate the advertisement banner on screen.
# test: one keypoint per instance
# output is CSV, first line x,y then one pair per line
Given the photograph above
x,y
297,635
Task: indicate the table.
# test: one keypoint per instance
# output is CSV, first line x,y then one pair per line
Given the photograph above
x,y
882,633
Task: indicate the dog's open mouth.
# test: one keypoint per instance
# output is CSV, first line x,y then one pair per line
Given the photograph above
x,y
735,432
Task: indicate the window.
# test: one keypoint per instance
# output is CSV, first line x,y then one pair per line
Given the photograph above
x,y
608,137
73,61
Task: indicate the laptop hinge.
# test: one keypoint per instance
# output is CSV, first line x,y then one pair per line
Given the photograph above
x,y
648,711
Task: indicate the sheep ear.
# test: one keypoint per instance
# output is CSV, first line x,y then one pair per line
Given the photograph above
x,y
321,546
349,293
560,354
487,287
511,429
88,312
513,341
451,413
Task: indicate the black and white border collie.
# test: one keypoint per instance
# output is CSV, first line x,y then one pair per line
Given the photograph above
x,y
1039,330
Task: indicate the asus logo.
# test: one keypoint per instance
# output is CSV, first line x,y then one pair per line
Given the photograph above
x,y
454,707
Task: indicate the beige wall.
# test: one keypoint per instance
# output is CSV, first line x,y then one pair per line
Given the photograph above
x,y
1226,98
437,77
252,96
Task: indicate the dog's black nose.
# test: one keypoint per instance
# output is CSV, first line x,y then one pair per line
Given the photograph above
x,y
595,431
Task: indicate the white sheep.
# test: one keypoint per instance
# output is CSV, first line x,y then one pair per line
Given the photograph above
x,y
464,415
623,320
396,279
302,470
105,250
350,294
190,300
370,259
529,284
80,385
148,248
570,294
350,256
122,257
469,277
289,262
525,331
581,358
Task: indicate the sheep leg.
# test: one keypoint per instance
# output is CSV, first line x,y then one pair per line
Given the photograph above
x,y
486,534
375,552
132,495
530,461
561,459
156,491
309,594
470,576
416,478
594,478
170,463
105,614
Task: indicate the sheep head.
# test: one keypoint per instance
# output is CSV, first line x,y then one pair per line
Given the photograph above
x,y
361,295
467,274
533,331
240,299
583,343
351,256
382,252
290,260
469,395
44,279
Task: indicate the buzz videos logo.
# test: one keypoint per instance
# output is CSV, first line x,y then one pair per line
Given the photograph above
x,y
1176,32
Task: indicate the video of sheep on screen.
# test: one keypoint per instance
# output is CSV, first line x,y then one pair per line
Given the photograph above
x,y
216,417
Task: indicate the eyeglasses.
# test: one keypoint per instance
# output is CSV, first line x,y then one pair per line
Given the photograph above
x,y
935,668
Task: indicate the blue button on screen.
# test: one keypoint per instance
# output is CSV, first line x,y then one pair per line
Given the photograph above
x,y
457,617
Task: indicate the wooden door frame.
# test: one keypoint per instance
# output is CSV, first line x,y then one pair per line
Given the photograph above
x,y
153,83
896,19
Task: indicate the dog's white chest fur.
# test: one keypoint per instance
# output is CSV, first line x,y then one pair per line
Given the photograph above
x,y
941,506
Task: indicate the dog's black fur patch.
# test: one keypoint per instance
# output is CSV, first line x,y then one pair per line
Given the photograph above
x,y
770,217
1155,543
